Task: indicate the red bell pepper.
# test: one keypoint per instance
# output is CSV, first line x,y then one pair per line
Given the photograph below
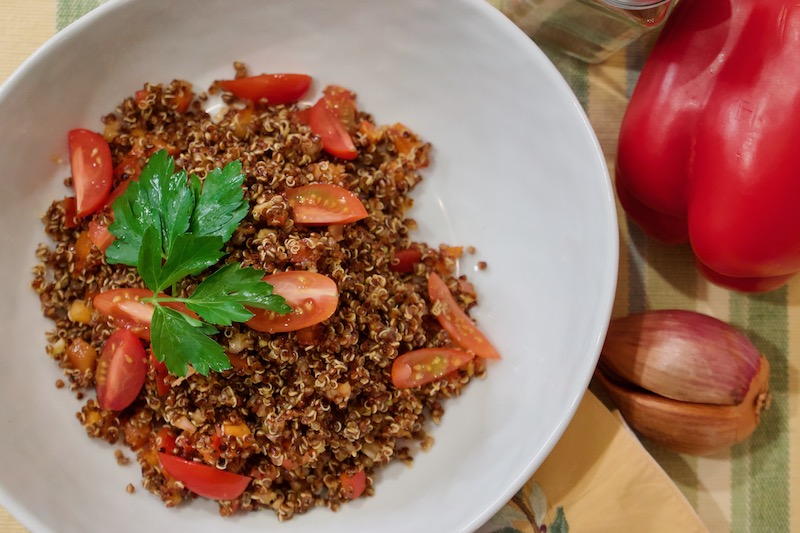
x,y
708,147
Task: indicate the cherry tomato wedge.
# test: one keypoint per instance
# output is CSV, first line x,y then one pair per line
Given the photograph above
x,y
166,441
342,103
183,97
161,373
332,132
419,367
130,167
354,485
127,309
92,170
204,480
99,235
118,190
98,231
301,115
312,296
456,322
275,88
121,371
323,204
125,306
404,260
70,211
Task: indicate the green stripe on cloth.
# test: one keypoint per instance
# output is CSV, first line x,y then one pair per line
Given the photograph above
x,y
740,466
574,71
682,469
637,285
635,56
660,277
70,10
760,492
673,276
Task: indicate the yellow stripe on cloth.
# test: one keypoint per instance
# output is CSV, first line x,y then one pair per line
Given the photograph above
x,y
8,524
25,25
714,476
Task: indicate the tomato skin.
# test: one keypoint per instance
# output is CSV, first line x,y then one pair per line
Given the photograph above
x,y
342,104
166,441
160,369
275,88
456,322
418,367
99,235
126,308
310,336
92,170
354,485
312,296
130,166
332,132
204,480
70,212
121,371
140,96
119,190
98,231
183,97
301,115
404,260
323,204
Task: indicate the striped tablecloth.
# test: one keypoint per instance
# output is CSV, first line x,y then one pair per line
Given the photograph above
x,y
599,475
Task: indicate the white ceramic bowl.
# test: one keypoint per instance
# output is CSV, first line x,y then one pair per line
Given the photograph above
x,y
518,174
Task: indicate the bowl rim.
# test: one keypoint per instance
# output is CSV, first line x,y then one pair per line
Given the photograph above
x,y
51,45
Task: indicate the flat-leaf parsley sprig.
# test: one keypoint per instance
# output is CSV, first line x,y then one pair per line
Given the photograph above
x,y
170,226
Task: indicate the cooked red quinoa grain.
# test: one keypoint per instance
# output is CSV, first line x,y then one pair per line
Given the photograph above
x,y
298,409
122,460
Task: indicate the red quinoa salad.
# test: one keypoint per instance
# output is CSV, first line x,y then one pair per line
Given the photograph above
x,y
238,300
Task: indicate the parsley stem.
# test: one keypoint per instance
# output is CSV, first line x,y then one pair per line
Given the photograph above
x,y
155,300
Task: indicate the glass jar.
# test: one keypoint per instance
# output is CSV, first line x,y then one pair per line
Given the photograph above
x,y
590,30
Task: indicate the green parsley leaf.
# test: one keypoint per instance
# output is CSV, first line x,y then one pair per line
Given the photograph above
x,y
189,255
177,205
169,227
128,227
222,296
177,342
220,203
149,261
174,205
164,191
160,199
